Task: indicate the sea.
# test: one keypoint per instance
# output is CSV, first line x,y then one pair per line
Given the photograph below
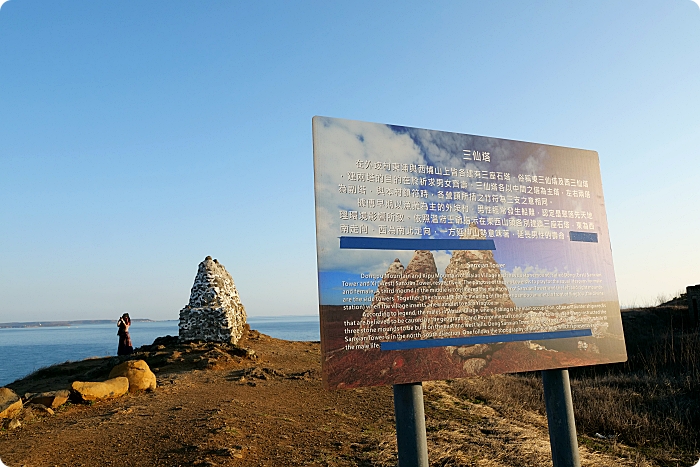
x,y
25,350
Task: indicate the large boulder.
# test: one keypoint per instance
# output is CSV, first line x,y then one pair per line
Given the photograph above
x,y
10,403
51,399
94,391
140,376
215,312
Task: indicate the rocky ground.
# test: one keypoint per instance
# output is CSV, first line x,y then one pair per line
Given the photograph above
x,y
262,404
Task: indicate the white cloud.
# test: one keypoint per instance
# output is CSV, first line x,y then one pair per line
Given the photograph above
x,y
338,144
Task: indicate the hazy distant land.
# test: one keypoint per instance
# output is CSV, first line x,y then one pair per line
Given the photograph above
x,y
48,324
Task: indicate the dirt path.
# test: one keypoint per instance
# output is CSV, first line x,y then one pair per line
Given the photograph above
x,y
273,411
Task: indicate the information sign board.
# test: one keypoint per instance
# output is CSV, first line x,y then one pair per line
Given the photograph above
x,y
445,255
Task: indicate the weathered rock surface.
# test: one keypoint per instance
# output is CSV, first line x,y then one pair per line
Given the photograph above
x,y
51,399
140,376
471,298
472,293
94,391
401,292
384,296
383,302
418,284
10,403
472,288
215,312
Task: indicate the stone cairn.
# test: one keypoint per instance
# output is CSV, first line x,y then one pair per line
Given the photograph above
x,y
215,312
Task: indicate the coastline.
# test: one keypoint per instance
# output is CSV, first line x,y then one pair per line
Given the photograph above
x,y
47,324
53,324
27,349
216,405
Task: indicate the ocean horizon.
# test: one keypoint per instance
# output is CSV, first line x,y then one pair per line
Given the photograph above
x,y
25,350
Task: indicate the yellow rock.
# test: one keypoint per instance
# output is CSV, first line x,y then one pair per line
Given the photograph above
x,y
93,391
10,403
140,376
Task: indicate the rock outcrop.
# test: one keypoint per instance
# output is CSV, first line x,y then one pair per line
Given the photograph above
x,y
473,291
472,299
94,391
384,296
51,399
401,292
215,312
140,376
418,284
10,403
383,303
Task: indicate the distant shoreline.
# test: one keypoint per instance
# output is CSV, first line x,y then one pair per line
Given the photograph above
x,y
53,324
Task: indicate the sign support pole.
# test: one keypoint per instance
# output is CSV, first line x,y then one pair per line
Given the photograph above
x,y
409,412
560,418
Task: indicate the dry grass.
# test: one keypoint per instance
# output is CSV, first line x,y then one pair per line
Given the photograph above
x,y
464,432
650,403
642,413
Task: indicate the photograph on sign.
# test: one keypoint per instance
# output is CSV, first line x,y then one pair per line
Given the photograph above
x,y
445,255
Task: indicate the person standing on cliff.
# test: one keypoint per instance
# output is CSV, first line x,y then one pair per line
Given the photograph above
x,y
125,346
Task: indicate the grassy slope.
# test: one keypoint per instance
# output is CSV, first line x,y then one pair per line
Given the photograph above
x,y
650,403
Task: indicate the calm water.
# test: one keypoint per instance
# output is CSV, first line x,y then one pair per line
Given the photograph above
x,y
25,350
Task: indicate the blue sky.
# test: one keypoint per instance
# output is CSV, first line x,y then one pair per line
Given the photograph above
x,y
136,138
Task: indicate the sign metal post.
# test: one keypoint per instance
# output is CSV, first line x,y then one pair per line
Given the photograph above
x,y
409,412
560,418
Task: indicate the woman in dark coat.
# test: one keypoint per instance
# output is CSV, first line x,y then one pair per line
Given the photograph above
x,y
125,346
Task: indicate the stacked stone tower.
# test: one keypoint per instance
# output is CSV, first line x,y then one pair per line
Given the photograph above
x,y
215,312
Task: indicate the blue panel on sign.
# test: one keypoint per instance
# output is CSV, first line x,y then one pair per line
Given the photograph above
x,y
374,243
590,237
457,341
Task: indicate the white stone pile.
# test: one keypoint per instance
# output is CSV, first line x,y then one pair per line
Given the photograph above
x,y
215,312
